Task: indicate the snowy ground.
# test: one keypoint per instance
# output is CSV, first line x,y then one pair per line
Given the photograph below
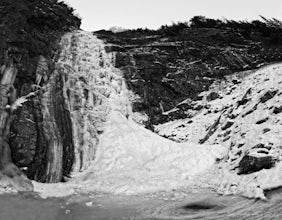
x,y
131,159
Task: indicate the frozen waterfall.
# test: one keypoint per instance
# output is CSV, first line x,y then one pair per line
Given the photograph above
x,y
112,152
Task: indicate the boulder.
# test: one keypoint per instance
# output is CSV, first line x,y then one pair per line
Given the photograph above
x,y
268,95
185,106
198,107
260,145
254,163
265,130
212,96
227,125
244,100
277,109
236,81
262,120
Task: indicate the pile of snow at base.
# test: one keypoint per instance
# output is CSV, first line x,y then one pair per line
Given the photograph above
x,y
131,159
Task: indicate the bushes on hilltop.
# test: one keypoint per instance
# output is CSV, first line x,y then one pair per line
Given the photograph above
x,y
203,22
174,29
267,30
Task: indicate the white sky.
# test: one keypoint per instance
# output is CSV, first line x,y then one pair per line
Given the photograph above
x,y
103,14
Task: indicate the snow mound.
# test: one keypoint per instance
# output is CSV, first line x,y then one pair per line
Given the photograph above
x,y
131,159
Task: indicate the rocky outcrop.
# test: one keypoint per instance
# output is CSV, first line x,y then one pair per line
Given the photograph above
x,y
10,174
247,120
167,66
253,163
212,96
32,29
268,95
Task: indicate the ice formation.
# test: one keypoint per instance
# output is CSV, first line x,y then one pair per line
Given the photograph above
x,y
113,152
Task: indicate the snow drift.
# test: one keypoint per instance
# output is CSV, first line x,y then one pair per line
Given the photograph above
x,y
131,159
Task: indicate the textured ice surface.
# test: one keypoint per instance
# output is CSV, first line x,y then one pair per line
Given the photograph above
x,y
131,159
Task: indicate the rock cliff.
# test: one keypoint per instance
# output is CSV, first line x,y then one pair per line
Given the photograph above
x,y
39,131
169,65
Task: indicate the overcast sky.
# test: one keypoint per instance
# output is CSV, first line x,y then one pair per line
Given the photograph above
x,y
103,14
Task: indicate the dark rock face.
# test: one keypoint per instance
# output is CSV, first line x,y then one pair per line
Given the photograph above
x,y
250,164
212,96
227,125
158,85
173,115
33,28
260,146
54,133
268,95
262,121
167,66
63,120
24,137
277,110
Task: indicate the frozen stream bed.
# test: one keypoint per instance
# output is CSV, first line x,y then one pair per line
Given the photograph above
x,y
196,205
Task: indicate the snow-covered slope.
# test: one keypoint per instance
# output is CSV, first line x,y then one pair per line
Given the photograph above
x,y
246,118
131,159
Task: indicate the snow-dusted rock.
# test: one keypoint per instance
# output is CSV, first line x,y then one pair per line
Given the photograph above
x,y
253,107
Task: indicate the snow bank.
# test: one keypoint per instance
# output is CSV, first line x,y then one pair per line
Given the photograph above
x,y
54,189
131,159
